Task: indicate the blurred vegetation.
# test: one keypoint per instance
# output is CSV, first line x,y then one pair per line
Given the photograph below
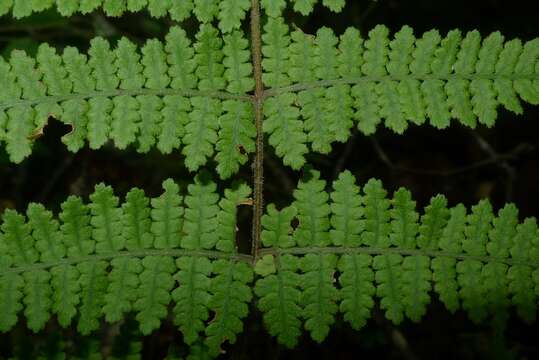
x,y
501,163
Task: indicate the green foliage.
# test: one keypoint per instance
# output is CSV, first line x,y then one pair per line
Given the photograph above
x,y
176,255
195,97
350,247
381,248
103,260
230,13
167,95
321,87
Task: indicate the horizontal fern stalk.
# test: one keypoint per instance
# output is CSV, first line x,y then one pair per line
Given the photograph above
x,y
349,249
196,95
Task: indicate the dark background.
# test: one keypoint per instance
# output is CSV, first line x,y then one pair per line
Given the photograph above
x,y
500,163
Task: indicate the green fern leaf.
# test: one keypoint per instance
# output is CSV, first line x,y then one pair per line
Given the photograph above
x,y
166,215
17,236
376,215
275,61
416,274
45,231
444,272
180,57
238,68
106,220
319,296
192,298
521,276
236,137
380,249
206,10
231,13
156,283
181,10
230,294
273,8
136,220
93,287
356,275
10,299
472,291
66,286
279,299
286,130
227,216
76,230
277,227
304,7
200,215
357,289
121,291
334,5
21,247
395,81
313,211
346,211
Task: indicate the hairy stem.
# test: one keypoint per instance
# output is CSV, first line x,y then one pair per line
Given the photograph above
x,y
258,165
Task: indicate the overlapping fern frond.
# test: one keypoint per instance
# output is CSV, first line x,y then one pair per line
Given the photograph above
x,y
106,259
362,246
321,86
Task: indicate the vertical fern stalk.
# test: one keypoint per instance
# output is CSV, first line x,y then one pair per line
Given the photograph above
x,y
258,165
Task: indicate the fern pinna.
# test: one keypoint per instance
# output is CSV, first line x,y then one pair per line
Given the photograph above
x,y
354,246
196,95
104,259
213,94
351,247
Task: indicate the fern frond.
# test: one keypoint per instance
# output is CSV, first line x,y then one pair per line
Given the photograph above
x,y
105,259
383,249
165,95
332,84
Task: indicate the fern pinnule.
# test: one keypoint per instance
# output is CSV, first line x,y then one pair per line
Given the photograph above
x,y
279,300
239,194
167,214
230,296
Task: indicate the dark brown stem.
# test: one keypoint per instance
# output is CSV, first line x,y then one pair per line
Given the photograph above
x,y
258,165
